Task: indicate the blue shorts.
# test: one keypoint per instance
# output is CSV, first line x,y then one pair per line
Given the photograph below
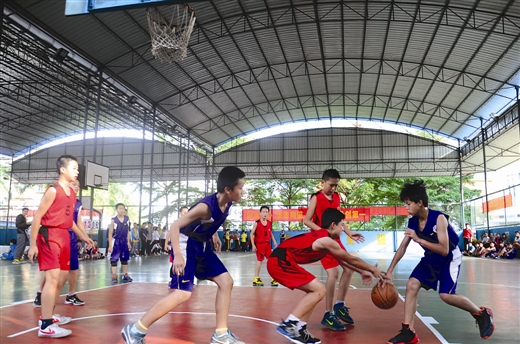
x,y
120,250
446,275
201,262
74,254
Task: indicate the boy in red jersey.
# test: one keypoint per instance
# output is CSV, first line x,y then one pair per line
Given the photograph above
x,y
324,199
51,243
283,265
261,235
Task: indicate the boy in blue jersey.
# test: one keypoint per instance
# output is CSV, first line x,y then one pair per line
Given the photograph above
x,y
440,264
193,257
119,247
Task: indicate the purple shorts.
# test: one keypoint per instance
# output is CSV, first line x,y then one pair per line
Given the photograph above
x,y
445,275
201,262
74,254
120,250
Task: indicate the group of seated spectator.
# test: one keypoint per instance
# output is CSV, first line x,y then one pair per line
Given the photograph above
x,y
494,246
91,253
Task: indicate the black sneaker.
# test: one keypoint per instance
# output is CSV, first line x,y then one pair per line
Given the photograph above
x,y
74,300
331,321
405,336
38,300
289,329
485,322
307,337
341,312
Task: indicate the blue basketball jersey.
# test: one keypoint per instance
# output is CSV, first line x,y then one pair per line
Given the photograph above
x,y
203,230
121,229
429,233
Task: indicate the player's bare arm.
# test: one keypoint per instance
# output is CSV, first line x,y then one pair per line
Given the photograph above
x,y
333,247
274,239
397,256
252,235
82,234
442,234
217,243
200,211
357,237
310,213
45,204
110,233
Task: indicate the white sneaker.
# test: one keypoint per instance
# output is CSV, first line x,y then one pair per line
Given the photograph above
x,y
227,338
57,319
54,331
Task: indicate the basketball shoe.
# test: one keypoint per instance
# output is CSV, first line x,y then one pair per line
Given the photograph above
x,y
341,312
114,279
274,283
74,300
331,321
227,338
132,337
257,282
38,300
126,278
485,322
289,329
54,331
405,336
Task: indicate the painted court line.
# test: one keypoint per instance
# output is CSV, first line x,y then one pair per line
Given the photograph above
x,y
140,313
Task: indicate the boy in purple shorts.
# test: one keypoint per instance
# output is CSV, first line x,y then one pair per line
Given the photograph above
x,y
439,266
193,257
120,245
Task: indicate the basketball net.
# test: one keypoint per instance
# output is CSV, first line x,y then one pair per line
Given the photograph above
x,y
170,34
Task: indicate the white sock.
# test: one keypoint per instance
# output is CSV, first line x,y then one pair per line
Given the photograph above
x,y
339,301
301,324
291,317
134,329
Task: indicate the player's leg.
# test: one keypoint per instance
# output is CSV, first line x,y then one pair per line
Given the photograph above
x,y
447,292
291,275
38,298
260,256
72,298
407,334
49,290
330,320
340,309
114,258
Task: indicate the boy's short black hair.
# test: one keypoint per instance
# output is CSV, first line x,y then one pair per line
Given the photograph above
x,y
330,174
264,206
414,191
25,208
228,178
330,216
63,161
118,204
183,207
13,241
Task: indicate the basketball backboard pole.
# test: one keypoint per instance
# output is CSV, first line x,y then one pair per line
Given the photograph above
x,y
78,7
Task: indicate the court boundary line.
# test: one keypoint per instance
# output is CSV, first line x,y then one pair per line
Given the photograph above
x,y
137,313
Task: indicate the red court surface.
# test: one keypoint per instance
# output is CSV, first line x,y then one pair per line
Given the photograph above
x,y
254,314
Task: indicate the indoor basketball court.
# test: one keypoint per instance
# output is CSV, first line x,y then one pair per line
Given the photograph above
x,y
255,311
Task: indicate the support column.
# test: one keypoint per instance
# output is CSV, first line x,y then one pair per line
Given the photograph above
x,y
483,133
188,164
461,184
85,122
151,167
179,180
142,171
96,126
9,201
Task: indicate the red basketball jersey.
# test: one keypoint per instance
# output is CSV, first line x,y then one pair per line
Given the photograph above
x,y
299,248
60,213
263,233
323,203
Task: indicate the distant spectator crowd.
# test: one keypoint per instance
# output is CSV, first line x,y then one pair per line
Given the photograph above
x,y
493,246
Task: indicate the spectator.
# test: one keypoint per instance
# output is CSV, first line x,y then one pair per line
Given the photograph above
x,y
12,248
282,236
467,235
485,239
155,245
149,239
21,236
243,241
505,239
470,249
510,252
162,238
498,240
134,238
143,234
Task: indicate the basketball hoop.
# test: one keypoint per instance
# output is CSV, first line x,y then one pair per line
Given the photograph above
x,y
170,37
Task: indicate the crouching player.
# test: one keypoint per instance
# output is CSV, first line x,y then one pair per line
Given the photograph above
x,y
283,266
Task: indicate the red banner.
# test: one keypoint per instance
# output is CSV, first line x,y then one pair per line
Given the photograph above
x,y
297,214
498,203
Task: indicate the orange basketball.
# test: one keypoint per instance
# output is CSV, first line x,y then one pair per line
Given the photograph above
x,y
385,297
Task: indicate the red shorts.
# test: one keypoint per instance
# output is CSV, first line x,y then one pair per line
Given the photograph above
x,y
54,253
329,261
263,250
290,274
